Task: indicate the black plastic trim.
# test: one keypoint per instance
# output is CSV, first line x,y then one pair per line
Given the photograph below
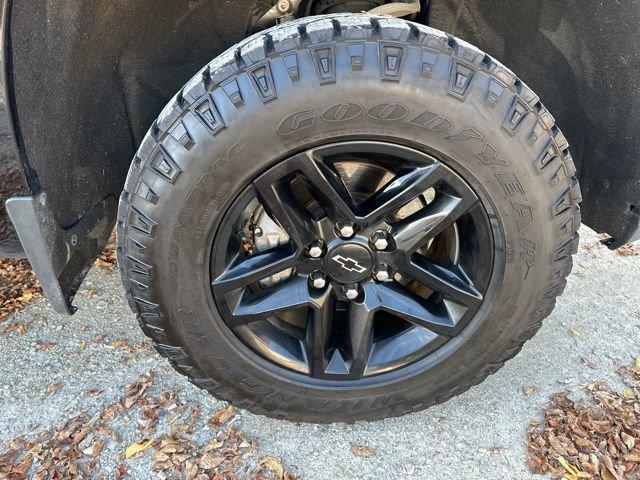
x,y
13,181
60,257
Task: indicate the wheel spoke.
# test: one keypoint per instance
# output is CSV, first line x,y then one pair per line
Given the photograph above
x,y
449,281
317,339
328,188
246,270
288,295
283,207
351,294
400,191
414,231
360,322
399,301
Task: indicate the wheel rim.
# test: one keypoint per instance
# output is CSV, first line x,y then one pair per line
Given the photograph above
x,y
366,258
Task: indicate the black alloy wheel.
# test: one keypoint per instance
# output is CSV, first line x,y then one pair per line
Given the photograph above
x,y
389,253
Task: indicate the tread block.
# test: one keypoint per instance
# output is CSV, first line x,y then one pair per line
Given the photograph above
x,y
145,306
286,38
576,193
320,31
290,61
232,89
262,80
355,28
563,251
146,192
356,55
570,225
169,114
495,91
207,384
254,50
181,135
562,203
516,116
138,285
223,67
536,132
393,29
546,118
461,77
164,165
528,95
429,60
209,116
152,320
138,266
436,42
141,221
469,53
172,352
134,245
195,88
547,156
324,61
559,175
560,139
391,60
504,76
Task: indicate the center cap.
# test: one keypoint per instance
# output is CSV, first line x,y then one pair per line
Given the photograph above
x,y
349,263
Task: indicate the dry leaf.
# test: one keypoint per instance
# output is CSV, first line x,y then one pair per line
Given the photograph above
x,y
108,258
530,390
222,416
54,388
596,437
209,461
274,465
95,449
18,286
362,451
574,333
629,250
137,447
589,363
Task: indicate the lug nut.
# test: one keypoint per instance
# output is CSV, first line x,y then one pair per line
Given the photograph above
x,y
318,280
315,249
345,230
350,291
283,6
382,273
379,240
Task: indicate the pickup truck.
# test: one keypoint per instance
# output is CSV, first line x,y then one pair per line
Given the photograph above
x,y
326,210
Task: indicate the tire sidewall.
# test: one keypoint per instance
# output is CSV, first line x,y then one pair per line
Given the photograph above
x,y
218,172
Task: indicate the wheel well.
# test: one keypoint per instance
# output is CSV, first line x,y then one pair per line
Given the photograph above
x,y
89,78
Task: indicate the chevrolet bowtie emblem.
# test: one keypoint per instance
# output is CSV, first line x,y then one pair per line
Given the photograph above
x,y
349,264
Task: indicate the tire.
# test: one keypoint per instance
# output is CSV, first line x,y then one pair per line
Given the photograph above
x,y
278,92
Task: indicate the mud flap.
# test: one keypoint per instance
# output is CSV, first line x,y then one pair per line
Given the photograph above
x,y
60,257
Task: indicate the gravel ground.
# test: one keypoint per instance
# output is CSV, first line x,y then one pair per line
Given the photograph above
x,y
478,435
